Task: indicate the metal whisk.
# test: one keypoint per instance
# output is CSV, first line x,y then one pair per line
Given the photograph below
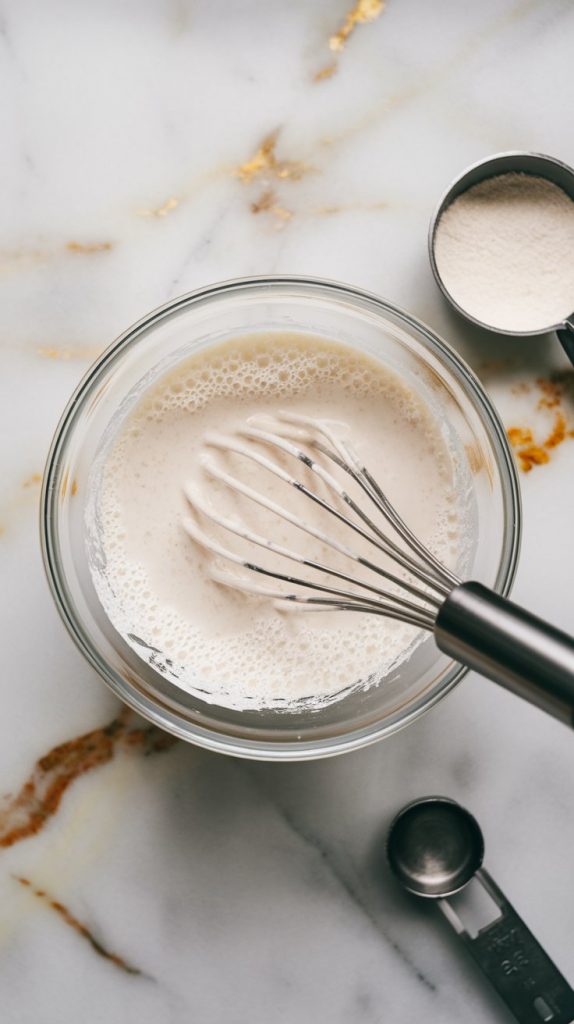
x,y
470,622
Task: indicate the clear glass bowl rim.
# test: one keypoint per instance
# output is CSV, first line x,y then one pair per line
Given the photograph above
x,y
133,697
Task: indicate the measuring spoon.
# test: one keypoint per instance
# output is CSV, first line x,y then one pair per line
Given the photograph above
x,y
435,847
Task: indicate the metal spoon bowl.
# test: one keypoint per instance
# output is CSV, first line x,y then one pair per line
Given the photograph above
x,y
435,847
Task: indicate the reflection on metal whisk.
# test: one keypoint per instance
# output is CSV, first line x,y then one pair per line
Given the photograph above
x,y
471,623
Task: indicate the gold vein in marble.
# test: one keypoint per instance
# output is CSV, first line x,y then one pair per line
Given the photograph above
x,y
19,259
327,72
267,203
87,248
187,193
363,12
77,925
32,481
330,210
25,259
28,492
265,163
161,211
280,212
437,76
87,352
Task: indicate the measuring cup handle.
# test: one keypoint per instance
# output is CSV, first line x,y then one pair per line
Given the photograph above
x,y
507,644
515,963
566,337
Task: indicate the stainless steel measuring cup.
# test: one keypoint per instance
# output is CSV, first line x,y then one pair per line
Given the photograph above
x,y
505,163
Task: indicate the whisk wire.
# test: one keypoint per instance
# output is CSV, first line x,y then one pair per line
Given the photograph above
x,y
340,599
269,545
384,543
432,578
343,456
237,485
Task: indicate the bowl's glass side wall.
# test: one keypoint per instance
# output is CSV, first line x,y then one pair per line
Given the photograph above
x,y
205,320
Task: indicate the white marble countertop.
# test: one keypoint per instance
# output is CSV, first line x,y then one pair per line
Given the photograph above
x,y
188,886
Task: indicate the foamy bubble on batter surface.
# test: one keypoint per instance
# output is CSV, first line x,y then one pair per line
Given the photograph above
x,y
230,649
292,370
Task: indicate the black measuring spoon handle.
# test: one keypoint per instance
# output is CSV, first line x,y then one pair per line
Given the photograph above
x,y
515,963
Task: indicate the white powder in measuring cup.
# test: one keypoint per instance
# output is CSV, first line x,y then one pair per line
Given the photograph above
x,y
505,252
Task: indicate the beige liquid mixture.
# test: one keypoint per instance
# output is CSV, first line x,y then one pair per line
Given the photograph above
x,y
154,581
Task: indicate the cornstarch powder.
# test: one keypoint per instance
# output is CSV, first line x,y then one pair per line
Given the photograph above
x,y
505,252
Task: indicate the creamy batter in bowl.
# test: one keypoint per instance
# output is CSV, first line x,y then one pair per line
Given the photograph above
x,y
192,329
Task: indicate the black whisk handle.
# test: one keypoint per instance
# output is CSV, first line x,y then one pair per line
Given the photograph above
x,y
509,645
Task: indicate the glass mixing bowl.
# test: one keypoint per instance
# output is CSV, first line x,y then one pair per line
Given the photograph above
x,y
203,319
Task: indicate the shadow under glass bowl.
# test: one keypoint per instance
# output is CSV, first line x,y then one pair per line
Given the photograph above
x,y
209,317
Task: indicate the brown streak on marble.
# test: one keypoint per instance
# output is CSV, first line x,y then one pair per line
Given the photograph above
x,y
89,352
532,455
77,926
32,481
267,203
556,391
26,813
265,161
327,72
328,211
438,75
281,213
27,493
558,433
161,211
86,248
552,389
74,489
21,258
363,11
519,436
188,191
